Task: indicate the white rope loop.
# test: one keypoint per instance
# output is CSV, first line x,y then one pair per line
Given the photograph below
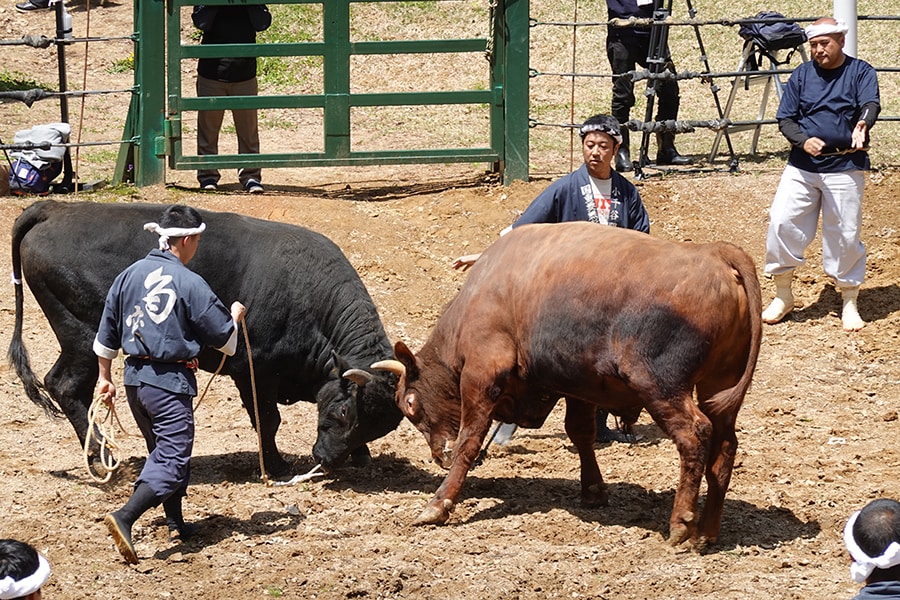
x,y
98,430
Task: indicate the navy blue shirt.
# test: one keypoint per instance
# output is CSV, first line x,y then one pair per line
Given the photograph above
x,y
623,9
826,103
160,313
570,198
880,590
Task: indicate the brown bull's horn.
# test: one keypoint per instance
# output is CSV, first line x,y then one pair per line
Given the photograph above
x,y
358,376
394,366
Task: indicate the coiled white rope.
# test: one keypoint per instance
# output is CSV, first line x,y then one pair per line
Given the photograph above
x,y
101,428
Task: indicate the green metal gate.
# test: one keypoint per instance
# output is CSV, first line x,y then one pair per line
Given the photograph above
x,y
506,97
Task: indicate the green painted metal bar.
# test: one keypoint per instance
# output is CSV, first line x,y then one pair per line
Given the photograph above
x,y
229,102
515,89
173,81
320,48
149,77
319,100
418,46
317,159
336,20
234,50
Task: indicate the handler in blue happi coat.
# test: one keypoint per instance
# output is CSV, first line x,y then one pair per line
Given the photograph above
x,y
160,313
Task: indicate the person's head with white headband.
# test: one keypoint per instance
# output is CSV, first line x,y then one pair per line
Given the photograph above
x,y
179,231
826,42
872,536
22,571
600,140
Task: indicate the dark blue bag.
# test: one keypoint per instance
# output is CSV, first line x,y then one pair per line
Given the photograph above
x,y
773,36
25,178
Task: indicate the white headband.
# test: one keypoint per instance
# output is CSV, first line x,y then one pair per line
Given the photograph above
x,y
586,129
169,232
863,564
10,588
825,29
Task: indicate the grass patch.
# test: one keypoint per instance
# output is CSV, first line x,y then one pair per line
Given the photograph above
x,y
291,24
123,65
13,81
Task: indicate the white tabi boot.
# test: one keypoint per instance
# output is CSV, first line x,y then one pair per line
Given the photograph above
x,y
783,303
850,314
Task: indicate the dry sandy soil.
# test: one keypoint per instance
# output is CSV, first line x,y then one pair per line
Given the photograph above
x,y
817,440
817,433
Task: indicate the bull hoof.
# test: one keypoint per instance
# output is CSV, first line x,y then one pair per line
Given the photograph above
x,y
278,468
435,514
702,544
594,496
678,534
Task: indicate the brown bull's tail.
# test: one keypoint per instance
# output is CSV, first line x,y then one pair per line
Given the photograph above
x,y
17,354
729,402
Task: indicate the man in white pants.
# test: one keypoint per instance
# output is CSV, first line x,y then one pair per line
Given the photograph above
x,y
828,107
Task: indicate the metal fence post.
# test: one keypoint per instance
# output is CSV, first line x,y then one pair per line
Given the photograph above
x,y
149,75
515,90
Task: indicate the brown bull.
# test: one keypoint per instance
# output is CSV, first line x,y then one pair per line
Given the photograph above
x,y
606,318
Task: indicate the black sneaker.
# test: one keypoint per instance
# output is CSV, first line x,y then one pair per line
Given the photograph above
x,y
253,186
208,185
31,6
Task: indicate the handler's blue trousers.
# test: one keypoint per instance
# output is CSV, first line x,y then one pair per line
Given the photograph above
x,y
166,420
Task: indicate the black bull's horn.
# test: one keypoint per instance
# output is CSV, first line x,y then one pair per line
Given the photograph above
x,y
357,376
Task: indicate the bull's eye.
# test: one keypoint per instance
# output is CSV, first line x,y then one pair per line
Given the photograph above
x,y
410,401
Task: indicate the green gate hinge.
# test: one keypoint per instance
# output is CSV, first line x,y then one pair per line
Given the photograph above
x,y
160,145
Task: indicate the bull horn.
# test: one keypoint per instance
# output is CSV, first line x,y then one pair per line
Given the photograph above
x,y
358,376
394,366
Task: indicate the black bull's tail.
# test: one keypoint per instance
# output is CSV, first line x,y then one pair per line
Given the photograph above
x,y
18,354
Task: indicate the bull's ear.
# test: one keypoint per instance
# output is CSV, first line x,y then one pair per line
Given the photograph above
x,y
339,363
403,354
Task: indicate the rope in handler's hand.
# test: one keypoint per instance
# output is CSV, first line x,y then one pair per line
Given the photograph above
x,y
209,381
101,429
262,466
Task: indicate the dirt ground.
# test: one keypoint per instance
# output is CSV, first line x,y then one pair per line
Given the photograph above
x,y
817,439
817,432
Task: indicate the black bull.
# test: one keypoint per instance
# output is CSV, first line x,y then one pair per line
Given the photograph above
x,y
313,328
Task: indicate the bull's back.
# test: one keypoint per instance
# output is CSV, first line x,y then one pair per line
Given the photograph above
x,y
592,271
574,296
297,281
